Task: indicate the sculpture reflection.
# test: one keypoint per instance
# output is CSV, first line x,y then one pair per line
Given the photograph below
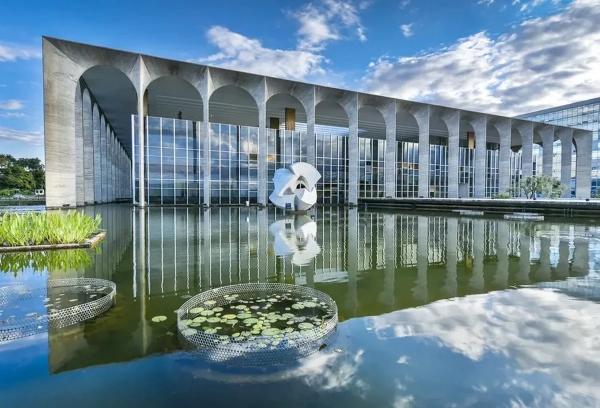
x,y
295,237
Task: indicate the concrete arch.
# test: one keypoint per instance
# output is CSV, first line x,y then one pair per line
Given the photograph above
x,y
233,105
254,85
171,96
371,122
303,93
276,105
330,112
407,126
116,96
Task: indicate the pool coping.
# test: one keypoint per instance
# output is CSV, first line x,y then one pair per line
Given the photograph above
x,y
88,243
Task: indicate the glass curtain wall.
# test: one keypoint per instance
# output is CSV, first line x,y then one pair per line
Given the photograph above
x,y
172,161
465,171
438,171
371,176
492,177
332,163
234,164
407,169
516,172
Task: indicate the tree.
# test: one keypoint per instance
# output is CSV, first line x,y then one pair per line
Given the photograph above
x,y
546,186
21,174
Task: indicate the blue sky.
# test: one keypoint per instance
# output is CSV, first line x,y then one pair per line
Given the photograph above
x,y
507,57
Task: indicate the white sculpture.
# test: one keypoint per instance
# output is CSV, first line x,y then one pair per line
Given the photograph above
x,y
295,238
295,187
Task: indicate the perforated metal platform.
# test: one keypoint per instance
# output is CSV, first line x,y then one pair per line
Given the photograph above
x,y
266,345
16,295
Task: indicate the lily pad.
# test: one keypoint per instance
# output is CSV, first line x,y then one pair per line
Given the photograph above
x,y
158,319
305,326
189,332
196,310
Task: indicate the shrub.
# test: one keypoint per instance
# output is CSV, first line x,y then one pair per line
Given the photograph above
x,y
32,228
504,195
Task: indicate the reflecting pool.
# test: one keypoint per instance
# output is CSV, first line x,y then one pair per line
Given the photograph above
x,y
434,310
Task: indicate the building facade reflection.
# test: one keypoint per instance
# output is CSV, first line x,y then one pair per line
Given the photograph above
x,y
370,263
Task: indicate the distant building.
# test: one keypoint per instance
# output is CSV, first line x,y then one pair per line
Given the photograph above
x,y
582,115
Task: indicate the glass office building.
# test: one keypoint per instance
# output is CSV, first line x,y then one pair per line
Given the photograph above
x,y
583,115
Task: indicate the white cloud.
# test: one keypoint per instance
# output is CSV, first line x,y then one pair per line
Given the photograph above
x,y
543,62
9,53
11,104
237,51
328,21
21,136
407,30
486,2
525,326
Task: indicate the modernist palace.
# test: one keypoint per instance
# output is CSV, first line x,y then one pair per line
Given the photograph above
x,y
122,126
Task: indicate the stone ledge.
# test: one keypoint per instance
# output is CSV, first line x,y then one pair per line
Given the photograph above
x,y
88,243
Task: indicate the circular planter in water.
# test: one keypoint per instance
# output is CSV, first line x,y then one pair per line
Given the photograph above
x,y
256,324
25,311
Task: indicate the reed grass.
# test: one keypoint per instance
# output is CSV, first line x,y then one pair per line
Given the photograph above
x,y
52,228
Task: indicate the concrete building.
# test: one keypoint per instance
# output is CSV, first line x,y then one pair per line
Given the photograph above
x,y
122,126
581,115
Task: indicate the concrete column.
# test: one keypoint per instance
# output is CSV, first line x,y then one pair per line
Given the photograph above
x,y
389,115
205,91
79,180
547,134
96,134
88,148
351,106
262,144
422,115
526,131
583,178
450,282
452,121
581,252
105,169
110,164
141,142
480,127
504,129
60,83
310,108
566,156
101,158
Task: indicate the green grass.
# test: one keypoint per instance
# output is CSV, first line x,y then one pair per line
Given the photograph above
x,y
53,228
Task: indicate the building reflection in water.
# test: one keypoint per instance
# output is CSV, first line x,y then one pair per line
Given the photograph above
x,y
369,262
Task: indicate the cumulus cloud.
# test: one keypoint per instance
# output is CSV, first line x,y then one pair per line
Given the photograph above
x,y
21,136
237,51
542,62
9,53
328,21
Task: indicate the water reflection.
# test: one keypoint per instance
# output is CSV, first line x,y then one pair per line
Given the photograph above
x,y
295,237
370,263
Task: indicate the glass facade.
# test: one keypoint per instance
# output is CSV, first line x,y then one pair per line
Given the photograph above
x,y
332,163
466,177
438,171
172,161
583,115
371,168
407,169
492,178
516,172
234,164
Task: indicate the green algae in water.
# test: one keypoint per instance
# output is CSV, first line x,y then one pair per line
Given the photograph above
x,y
272,318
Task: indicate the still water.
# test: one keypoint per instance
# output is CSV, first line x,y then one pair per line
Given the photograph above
x,y
434,310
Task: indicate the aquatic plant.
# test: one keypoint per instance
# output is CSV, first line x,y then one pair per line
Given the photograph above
x,y
35,228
